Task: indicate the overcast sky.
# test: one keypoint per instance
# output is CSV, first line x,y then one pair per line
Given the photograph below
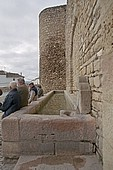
x,y
19,35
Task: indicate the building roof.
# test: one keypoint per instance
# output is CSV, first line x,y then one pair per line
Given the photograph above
x,y
14,75
2,72
9,74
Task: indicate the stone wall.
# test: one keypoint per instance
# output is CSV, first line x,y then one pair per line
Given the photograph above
x,y
107,88
89,52
84,53
52,48
47,134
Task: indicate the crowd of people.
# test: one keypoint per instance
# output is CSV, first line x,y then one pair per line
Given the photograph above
x,y
19,95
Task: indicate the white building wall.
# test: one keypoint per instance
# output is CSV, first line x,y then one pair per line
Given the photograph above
x,y
4,81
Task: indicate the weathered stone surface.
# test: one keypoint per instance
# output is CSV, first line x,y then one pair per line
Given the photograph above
x,y
73,148
84,101
45,134
52,48
10,129
88,38
83,79
36,147
57,128
11,149
89,41
84,95
108,112
66,162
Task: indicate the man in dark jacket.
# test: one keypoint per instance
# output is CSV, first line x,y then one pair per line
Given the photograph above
x,y
12,101
33,93
1,92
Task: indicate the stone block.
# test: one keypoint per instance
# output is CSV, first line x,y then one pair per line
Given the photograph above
x,y
97,81
97,65
35,147
89,132
83,79
11,149
84,87
67,147
85,101
89,69
69,130
91,81
99,53
57,128
10,129
80,127
85,148
30,128
84,95
31,109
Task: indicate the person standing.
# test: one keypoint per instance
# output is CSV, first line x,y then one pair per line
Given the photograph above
x,y
1,92
12,100
23,91
40,91
33,93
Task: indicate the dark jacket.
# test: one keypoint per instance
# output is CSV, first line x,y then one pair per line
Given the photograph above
x,y
33,94
34,89
11,103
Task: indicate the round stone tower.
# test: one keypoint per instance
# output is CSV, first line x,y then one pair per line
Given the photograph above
x,y
52,48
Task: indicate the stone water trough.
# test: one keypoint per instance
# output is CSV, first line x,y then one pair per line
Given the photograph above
x,y
48,126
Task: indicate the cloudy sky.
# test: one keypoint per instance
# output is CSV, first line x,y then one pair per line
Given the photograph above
x,y
19,35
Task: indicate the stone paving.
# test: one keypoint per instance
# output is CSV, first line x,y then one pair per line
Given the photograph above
x,y
60,162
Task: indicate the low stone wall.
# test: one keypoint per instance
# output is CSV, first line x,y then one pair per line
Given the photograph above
x,y
42,135
27,133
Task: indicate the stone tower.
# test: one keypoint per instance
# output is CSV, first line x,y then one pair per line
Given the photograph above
x,y
52,48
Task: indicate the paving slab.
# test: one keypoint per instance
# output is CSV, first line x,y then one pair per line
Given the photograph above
x,y
61,162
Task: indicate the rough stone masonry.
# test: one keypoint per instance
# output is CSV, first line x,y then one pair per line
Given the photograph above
x,y
88,52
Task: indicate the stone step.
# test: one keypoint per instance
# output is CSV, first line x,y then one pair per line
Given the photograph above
x,y
62,162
